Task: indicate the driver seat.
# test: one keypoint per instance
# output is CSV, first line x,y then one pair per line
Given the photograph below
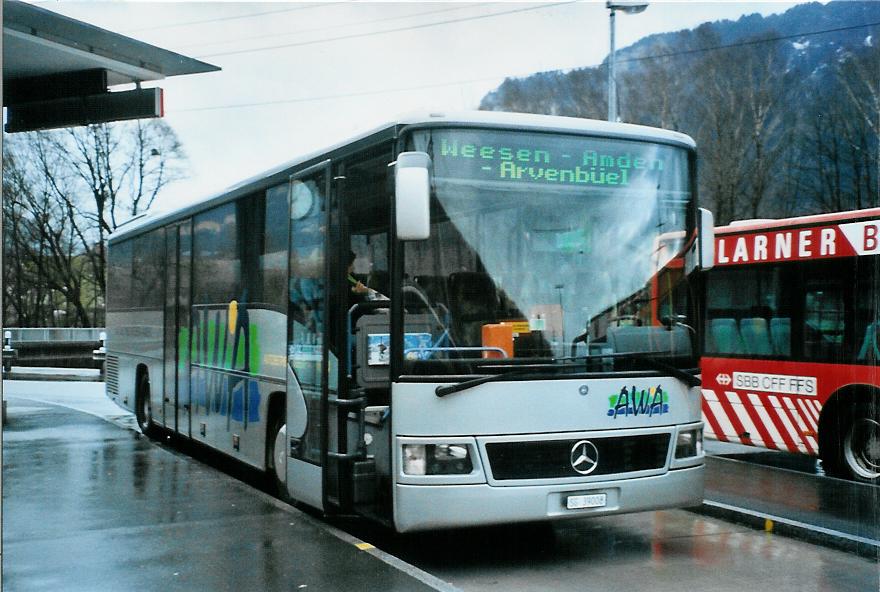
x,y
473,302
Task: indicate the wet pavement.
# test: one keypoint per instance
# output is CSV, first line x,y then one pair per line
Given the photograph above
x,y
753,487
653,551
91,505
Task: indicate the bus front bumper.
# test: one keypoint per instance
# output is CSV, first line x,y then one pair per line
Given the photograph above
x,y
427,507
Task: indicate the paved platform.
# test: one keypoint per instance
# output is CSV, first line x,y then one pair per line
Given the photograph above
x,y
776,491
89,505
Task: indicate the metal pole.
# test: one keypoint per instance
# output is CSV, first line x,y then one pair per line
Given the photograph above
x,y
612,87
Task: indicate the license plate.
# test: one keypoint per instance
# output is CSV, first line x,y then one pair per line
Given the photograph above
x,y
578,502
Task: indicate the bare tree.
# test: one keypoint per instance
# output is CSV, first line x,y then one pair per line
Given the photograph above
x,y
41,248
839,147
67,190
764,97
860,76
652,94
739,101
586,94
579,93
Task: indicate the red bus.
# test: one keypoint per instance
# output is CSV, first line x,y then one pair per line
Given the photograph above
x,y
791,351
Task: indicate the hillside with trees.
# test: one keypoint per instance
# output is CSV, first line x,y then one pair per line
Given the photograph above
x,y
784,108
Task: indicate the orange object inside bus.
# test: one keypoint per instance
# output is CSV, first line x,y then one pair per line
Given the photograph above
x,y
500,336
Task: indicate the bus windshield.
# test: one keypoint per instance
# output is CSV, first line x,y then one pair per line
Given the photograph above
x,y
537,239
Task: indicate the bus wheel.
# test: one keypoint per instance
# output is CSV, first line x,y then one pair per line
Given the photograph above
x,y
143,408
276,456
853,452
861,444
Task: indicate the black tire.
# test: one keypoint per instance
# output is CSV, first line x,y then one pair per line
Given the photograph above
x,y
143,410
276,455
852,450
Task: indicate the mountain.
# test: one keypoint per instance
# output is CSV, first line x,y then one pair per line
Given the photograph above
x,y
784,108
845,22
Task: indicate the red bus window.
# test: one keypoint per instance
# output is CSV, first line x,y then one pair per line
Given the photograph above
x,y
823,322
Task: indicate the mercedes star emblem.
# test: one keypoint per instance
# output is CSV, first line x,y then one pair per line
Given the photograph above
x,y
584,457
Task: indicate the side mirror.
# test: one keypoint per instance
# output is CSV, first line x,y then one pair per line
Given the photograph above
x,y
412,188
701,255
706,238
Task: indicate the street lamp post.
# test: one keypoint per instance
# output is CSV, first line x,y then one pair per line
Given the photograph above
x,y
628,7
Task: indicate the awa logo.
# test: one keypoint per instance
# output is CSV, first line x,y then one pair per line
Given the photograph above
x,y
723,379
630,401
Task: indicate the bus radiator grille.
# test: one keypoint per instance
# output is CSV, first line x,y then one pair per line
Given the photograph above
x,y
551,459
112,374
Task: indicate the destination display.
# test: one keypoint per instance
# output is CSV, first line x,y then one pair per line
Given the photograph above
x,y
558,160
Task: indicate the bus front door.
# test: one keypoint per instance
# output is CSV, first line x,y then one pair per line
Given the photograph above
x,y
307,364
178,264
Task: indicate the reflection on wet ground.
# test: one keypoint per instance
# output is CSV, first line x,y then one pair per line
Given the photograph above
x,y
90,506
801,463
656,551
829,503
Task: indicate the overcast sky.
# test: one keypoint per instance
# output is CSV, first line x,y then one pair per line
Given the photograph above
x,y
297,77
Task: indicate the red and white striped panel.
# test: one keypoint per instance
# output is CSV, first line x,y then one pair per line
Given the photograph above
x,y
780,422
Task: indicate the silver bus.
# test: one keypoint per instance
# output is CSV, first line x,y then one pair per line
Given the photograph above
x,y
402,326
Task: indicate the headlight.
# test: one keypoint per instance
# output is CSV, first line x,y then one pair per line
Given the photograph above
x,y
437,459
689,443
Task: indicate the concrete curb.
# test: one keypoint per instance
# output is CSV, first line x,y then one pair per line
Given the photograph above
x,y
786,527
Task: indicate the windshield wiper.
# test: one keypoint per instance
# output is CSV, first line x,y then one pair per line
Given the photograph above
x,y
648,357
442,391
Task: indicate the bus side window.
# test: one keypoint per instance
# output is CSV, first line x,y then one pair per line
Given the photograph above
x,y
870,347
780,335
823,322
726,337
866,325
756,336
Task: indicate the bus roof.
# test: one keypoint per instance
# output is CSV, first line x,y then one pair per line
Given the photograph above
x,y
743,226
488,119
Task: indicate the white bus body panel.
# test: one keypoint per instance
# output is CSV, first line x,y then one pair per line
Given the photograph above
x,y
534,407
134,337
424,507
535,412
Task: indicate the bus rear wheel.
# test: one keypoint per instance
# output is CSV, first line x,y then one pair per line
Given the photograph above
x,y
276,456
856,446
143,407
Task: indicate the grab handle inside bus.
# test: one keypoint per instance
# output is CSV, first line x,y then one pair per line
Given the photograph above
x,y
412,187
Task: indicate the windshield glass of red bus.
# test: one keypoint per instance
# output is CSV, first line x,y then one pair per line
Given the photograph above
x,y
535,237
